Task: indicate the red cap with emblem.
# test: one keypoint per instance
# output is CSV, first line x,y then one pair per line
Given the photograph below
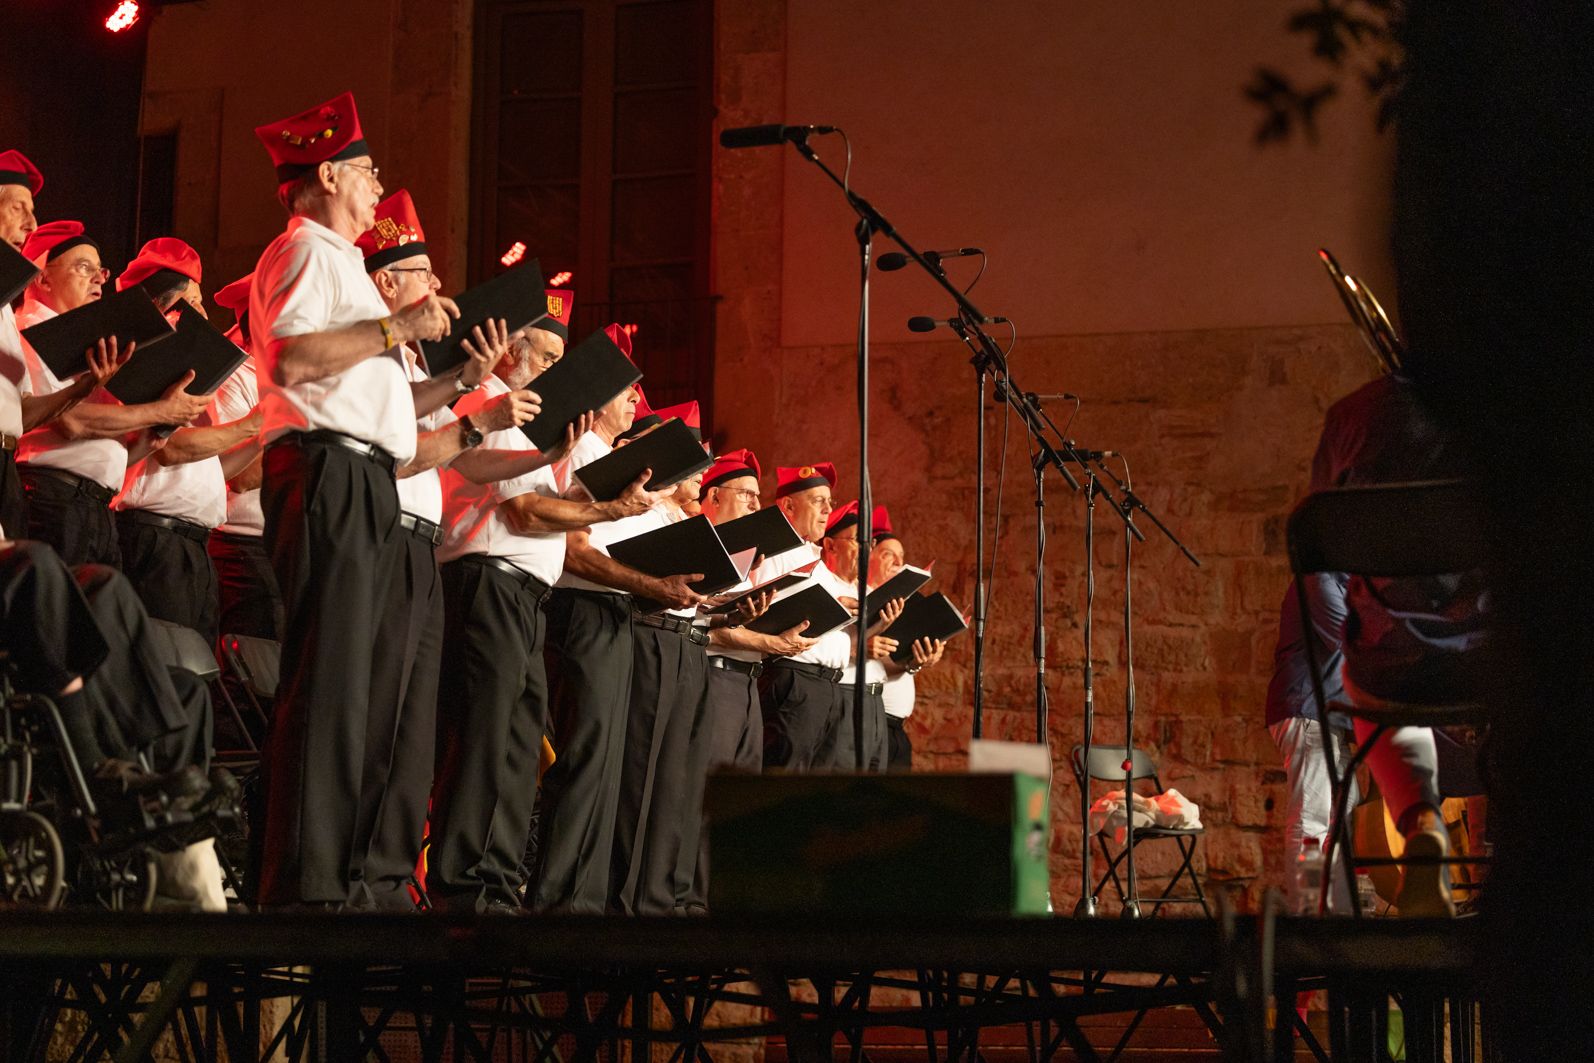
x,y
788,481
880,525
17,169
235,296
730,466
397,233
327,133
560,302
842,518
53,239
162,253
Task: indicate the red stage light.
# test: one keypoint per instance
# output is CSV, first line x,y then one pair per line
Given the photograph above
x,y
559,279
514,254
630,330
125,15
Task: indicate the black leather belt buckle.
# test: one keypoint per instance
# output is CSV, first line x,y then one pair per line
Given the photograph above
x,y
8,441
421,526
327,437
696,635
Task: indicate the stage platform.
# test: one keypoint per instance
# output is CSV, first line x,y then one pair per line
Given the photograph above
x,y
342,987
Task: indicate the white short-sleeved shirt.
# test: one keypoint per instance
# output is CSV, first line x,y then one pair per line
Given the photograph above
x,y
471,521
13,373
835,649
588,449
237,396
768,569
421,495
195,491
899,694
102,460
311,280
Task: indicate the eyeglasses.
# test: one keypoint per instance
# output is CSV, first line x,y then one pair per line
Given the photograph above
x,y
88,272
743,492
374,171
430,275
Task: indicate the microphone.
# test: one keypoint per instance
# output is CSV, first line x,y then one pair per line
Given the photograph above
x,y
1064,395
930,324
894,260
762,136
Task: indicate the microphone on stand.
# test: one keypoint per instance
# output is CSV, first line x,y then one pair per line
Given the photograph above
x,y
1064,395
894,260
763,136
930,324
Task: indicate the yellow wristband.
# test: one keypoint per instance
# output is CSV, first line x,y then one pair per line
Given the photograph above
x,y
387,333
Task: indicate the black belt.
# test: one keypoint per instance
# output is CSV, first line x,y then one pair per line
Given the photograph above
x,y
538,588
8,441
421,526
752,669
872,689
697,636
186,528
328,438
82,484
817,671
895,721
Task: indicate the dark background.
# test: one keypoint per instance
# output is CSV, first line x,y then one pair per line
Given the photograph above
x,y
71,92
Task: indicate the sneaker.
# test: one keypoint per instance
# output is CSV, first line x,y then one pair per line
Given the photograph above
x,y
1425,888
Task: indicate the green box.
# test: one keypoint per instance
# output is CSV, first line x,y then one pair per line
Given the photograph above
x,y
928,844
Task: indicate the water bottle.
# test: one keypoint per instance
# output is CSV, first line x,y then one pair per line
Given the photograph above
x,y
1308,877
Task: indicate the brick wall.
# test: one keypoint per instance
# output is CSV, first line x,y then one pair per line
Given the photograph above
x,y
1219,426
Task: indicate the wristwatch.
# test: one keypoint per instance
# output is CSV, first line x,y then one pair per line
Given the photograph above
x,y
473,435
462,388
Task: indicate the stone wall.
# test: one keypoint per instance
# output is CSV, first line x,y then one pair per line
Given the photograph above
x,y
1219,426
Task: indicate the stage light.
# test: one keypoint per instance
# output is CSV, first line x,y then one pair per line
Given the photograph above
x,y
125,15
560,279
514,254
630,330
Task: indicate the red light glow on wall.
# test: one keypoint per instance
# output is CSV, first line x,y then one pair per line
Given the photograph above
x,y
514,254
125,15
630,330
560,279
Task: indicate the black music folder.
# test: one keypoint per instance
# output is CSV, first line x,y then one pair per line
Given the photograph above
x,y
670,450
904,584
685,546
517,296
15,272
814,603
925,616
63,342
586,378
767,531
778,584
195,345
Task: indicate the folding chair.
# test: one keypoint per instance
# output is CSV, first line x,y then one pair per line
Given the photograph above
x,y
1428,528
1106,764
252,667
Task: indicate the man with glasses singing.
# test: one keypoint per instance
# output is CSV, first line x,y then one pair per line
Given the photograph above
x,y
74,463
401,735
338,420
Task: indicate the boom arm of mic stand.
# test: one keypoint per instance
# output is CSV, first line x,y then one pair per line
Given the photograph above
x,y
1131,501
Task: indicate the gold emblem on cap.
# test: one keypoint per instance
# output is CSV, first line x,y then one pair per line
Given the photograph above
x,y
556,306
807,471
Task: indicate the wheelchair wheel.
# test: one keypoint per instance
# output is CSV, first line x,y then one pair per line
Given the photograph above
x,y
118,882
32,865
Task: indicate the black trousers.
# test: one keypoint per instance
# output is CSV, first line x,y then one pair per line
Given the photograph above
x,y
246,586
871,746
171,572
900,756
13,501
57,625
804,717
401,731
334,538
589,654
77,525
492,711
729,737
668,691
